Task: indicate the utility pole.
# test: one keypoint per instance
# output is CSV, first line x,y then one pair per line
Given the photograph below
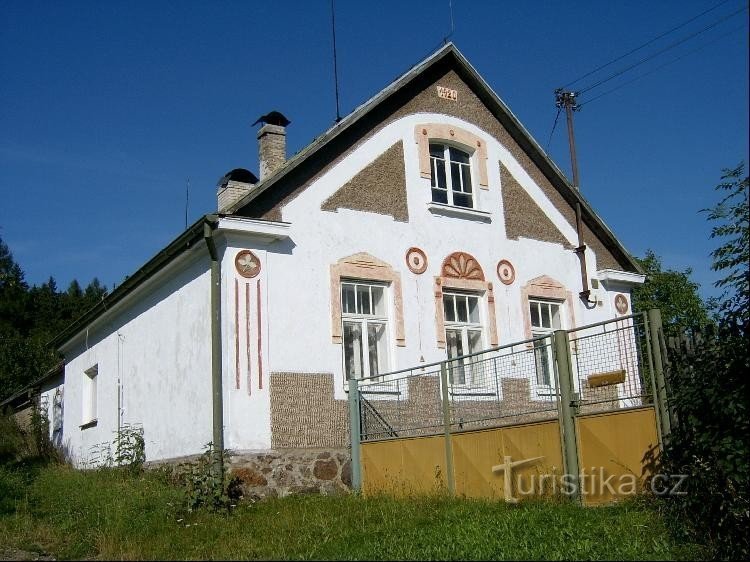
x,y
567,100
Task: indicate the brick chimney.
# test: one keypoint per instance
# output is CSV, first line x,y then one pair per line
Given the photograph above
x,y
233,186
271,143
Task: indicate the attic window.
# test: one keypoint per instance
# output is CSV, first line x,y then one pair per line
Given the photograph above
x,y
428,135
451,176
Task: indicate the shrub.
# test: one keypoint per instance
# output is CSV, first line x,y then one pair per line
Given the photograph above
x,y
207,482
709,397
130,448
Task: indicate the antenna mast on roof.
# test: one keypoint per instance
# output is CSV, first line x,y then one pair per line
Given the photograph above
x,y
187,201
450,7
335,64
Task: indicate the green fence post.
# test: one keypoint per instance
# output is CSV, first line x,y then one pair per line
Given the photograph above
x,y
567,410
656,331
355,433
447,427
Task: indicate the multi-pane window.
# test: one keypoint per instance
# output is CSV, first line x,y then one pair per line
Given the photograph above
x,y
365,329
545,319
451,176
89,393
463,333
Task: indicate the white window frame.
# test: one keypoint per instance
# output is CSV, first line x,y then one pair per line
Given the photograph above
x,y
365,320
90,395
447,163
464,370
544,355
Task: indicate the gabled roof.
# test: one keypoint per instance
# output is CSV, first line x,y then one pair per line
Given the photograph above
x,y
336,140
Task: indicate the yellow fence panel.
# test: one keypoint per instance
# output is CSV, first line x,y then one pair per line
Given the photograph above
x,y
535,446
612,450
404,466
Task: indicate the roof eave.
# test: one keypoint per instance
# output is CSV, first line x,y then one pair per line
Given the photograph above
x,y
183,242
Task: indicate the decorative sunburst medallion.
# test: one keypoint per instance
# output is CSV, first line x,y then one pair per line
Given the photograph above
x,y
505,272
621,304
416,260
247,263
461,265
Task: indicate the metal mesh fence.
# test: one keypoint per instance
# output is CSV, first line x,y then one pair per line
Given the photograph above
x,y
612,364
512,384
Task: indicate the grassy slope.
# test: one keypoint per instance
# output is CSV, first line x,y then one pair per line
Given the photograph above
x,y
111,515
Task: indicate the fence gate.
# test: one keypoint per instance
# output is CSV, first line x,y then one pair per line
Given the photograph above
x,y
573,412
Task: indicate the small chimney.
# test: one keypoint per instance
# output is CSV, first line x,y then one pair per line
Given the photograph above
x,y
271,143
233,186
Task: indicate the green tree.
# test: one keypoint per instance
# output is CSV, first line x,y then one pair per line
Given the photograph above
x,y
732,257
30,318
709,395
673,293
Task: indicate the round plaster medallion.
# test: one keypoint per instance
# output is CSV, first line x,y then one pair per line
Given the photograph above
x,y
247,263
505,272
621,303
416,260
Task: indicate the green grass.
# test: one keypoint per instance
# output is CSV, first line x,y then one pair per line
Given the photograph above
x,y
112,515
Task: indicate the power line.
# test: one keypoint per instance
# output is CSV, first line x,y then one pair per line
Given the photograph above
x,y
741,28
657,53
554,125
647,43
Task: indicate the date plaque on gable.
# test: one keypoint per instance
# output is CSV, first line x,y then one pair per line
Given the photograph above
x,y
447,93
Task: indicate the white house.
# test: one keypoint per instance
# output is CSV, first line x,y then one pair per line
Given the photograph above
x,y
427,223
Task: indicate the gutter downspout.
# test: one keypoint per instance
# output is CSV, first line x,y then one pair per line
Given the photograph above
x,y
581,251
216,388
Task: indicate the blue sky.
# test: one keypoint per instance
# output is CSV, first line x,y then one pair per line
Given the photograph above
x,y
107,109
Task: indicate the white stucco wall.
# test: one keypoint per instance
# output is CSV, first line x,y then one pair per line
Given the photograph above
x,y
155,348
295,279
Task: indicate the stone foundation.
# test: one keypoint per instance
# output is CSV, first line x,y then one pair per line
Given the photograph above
x,y
281,472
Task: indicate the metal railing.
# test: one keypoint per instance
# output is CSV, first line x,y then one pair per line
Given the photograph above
x,y
612,364
504,385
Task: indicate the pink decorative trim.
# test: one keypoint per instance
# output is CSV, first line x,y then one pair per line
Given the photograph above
x,y
426,132
260,339
545,287
461,271
621,304
506,272
247,264
236,336
460,265
416,260
369,268
248,352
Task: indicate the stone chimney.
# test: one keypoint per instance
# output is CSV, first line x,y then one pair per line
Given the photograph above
x,y
233,186
271,143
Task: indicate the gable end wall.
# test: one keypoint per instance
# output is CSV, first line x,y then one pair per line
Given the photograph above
x,y
468,107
